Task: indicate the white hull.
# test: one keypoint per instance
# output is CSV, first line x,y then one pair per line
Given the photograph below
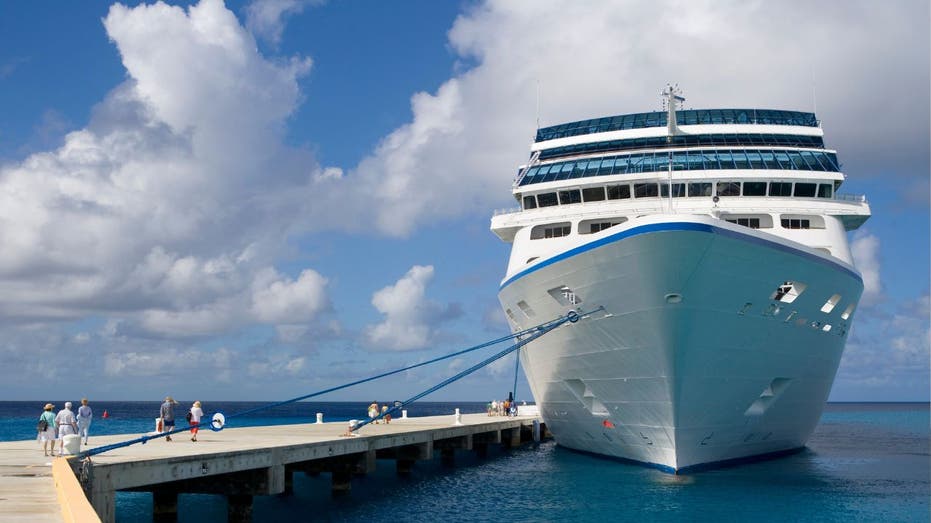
x,y
689,363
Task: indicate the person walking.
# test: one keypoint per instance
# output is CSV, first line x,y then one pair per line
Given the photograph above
x,y
47,429
373,411
85,414
195,415
67,425
167,413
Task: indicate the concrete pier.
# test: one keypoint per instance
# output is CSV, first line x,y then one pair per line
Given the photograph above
x,y
240,463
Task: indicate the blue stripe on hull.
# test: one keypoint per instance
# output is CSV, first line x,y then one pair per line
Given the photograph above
x,y
678,226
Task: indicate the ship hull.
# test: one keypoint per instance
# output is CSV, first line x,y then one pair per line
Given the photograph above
x,y
691,361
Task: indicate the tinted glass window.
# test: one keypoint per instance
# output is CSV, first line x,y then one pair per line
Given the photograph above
x,y
805,190
618,192
728,189
825,190
571,196
678,190
593,194
530,202
645,190
754,189
700,189
780,189
547,199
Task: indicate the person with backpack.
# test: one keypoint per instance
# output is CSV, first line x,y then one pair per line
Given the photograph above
x,y
48,431
193,418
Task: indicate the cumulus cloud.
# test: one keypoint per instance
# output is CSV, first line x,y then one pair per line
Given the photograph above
x,y
888,355
865,250
266,18
169,208
410,317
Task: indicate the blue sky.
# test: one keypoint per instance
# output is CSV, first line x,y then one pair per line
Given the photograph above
x,y
257,200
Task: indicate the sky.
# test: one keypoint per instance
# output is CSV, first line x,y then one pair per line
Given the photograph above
x,y
260,200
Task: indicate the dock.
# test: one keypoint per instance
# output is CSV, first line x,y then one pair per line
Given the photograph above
x,y
238,463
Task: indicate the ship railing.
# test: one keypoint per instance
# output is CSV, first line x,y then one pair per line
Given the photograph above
x,y
510,210
858,198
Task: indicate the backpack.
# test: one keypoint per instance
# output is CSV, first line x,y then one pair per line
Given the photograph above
x,y
188,417
42,426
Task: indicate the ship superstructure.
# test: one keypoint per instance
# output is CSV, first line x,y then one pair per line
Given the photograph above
x,y
716,241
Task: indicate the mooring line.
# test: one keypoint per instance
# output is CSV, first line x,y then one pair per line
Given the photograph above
x,y
218,421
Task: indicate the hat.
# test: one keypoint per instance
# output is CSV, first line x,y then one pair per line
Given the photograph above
x,y
67,404
49,406
169,398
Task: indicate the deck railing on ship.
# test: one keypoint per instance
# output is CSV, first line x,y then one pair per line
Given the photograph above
x,y
853,198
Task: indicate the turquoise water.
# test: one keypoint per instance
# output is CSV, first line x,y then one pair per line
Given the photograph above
x,y
865,462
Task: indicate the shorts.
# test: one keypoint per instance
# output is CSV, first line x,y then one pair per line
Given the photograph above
x,y
169,422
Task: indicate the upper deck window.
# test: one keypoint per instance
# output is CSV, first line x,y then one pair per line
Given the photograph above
x,y
825,190
646,190
700,189
678,190
780,188
694,160
683,117
805,190
570,196
700,140
547,199
593,194
618,192
754,189
530,202
728,189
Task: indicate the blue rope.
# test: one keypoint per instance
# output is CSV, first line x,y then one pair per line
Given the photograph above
x,y
537,331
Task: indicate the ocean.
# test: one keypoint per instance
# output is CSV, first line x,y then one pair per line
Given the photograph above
x,y
865,462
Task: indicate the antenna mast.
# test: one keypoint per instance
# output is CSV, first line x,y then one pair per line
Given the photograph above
x,y
671,97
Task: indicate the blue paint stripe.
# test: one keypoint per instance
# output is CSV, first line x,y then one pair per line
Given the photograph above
x,y
678,226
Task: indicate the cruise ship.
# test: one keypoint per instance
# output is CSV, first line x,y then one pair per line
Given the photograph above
x,y
712,244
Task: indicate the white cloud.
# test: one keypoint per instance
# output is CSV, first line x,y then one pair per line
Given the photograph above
x,y
265,18
410,317
171,363
888,356
170,208
282,301
865,250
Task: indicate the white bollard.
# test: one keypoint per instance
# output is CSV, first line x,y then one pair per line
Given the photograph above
x,y
319,418
458,418
403,413
536,431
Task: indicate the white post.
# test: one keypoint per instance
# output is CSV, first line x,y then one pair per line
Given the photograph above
x,y
403,413
536,431
458,418
319,418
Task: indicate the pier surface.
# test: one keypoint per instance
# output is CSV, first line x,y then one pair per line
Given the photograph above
x,y
242,462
